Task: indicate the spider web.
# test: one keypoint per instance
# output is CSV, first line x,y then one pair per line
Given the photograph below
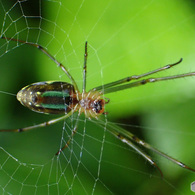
x,y
124,38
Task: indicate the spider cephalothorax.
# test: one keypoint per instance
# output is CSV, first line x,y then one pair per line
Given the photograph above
x,y
92,104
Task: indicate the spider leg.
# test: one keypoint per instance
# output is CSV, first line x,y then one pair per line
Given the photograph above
x,y
135,77
69,140
136,148
64,69
148,146
126,136
145,81
85,68
50,122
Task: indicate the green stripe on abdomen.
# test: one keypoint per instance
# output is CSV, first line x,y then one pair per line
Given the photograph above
x,y
62,94
56,100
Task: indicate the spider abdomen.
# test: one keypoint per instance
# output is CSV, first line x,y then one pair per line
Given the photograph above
x,y
48,97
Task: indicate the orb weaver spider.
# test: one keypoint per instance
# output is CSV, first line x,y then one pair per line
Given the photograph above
x,y
59,97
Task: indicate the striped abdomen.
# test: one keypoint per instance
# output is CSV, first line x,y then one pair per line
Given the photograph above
x,y
48,97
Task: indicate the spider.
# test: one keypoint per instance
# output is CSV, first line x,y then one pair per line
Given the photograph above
x,y
57,97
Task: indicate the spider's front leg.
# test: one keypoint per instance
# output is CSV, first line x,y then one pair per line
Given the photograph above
x,y
134,77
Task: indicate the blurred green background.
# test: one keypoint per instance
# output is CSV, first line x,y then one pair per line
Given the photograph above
x,y
124,38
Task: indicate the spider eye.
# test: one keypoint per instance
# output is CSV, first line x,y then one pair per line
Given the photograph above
x,y
98,106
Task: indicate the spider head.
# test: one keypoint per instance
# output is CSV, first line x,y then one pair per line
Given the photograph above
x,y
98,106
